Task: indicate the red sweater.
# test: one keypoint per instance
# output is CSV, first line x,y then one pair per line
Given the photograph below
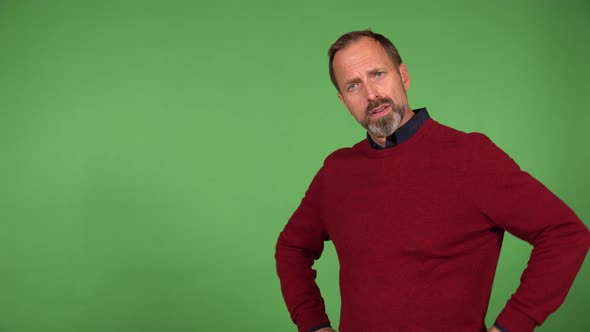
x,y
418,230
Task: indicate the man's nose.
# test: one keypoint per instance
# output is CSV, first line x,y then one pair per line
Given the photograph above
x,y
371,92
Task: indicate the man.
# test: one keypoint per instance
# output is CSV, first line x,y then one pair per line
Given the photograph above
x,y
417,214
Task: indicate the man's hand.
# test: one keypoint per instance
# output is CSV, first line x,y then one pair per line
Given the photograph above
x,y
494,329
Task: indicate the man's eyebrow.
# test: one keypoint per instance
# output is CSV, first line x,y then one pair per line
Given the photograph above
x,y
375,71
353,80
370,72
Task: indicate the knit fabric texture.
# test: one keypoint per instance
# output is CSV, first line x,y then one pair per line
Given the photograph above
x,y
418,230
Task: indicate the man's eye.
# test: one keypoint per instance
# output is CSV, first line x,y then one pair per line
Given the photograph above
x,y
352,86
380,74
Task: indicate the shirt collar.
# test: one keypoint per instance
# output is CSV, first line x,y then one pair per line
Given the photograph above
x,y
404,132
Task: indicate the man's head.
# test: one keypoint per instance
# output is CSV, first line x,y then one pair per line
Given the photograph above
x,y
371,80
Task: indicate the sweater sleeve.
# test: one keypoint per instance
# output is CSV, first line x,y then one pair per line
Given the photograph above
x,y
515,201
301,243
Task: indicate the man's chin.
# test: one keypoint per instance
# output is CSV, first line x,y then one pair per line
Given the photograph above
x,y
382,130
381,133
384,126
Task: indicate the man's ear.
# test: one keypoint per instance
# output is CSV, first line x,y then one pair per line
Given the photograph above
x,y
405,76
340,97
343,103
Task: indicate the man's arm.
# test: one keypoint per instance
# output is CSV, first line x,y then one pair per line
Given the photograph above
x,y
299,245
515,201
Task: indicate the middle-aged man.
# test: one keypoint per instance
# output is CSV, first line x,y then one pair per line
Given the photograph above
x,y
417,214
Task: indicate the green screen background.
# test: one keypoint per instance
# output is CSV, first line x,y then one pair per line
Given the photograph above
x,y
153,151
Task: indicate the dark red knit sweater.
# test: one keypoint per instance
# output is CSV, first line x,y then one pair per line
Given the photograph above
x,y
418,230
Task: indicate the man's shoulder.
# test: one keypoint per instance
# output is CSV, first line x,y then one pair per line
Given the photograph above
x,y
468,149
347,153
450,135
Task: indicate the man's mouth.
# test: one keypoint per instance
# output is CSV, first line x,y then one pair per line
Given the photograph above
x,y
379,111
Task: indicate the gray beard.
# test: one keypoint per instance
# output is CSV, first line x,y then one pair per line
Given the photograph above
x,y
388,124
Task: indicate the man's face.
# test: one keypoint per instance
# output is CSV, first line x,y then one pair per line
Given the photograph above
x,y
371,88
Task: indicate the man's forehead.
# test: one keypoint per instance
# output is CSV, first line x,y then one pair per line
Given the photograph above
x,y
363,44
363,52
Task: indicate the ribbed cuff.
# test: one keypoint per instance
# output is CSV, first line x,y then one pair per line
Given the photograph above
x,y
514,320
310,320
320,327
500,327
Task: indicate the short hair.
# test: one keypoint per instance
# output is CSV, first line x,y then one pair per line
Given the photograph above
x,y
352,36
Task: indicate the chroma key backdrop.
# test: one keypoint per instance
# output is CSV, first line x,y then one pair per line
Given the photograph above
x,y
152,151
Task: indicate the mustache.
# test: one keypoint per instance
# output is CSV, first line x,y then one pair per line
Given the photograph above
x,y
378,102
